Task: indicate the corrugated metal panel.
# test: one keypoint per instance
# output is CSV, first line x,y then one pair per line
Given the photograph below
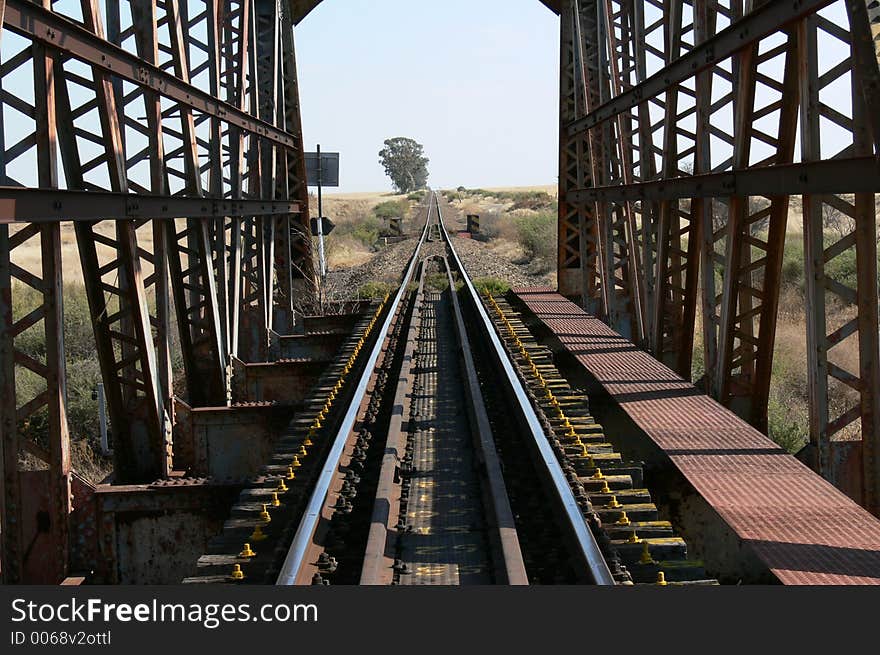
x,y
803,528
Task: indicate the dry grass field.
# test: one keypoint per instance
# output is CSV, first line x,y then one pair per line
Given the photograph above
x,y
517,246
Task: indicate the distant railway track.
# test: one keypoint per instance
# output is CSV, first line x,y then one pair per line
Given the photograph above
x,y
440,512
445,451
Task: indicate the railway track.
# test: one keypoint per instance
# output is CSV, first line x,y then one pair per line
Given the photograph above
x,y
443,448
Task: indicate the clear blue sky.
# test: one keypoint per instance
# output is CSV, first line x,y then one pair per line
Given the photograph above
x,y
475,81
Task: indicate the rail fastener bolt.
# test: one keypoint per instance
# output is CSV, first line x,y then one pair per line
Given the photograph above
x,y
258,534
291,475
613,503
295,463
237,573
646,555
623,520
282,487
302,451
598,475
247,552
264,515
661,579
275,501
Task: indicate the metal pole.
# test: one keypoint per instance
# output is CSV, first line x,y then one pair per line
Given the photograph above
x,y
102,420
321,219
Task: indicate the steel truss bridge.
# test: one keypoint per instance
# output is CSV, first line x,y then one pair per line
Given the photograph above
x,y
169,133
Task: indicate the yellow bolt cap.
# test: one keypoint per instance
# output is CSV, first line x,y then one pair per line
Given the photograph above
x,y
661,579
246,551
237,573
275,501
646,554
257,534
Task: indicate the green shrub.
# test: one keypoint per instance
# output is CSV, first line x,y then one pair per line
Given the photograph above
x,y
416,196
366,230
493,285
784,427
374,290
391,209
536,233
437,281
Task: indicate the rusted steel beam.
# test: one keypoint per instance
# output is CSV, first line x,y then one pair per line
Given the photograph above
x,y
843,175
189,250
21,205
864,21
844,398
45,26
729,89
677,229
293,173
33,551
35,505
754,262
137,395
583,224
569,239
620,19
741,34
234,51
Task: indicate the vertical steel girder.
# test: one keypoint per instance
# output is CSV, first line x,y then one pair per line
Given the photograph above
x,y
753,262
858,385
34,428
724,103
167,103
578,229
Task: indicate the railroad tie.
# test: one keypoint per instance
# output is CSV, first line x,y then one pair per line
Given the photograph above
x,y
641,548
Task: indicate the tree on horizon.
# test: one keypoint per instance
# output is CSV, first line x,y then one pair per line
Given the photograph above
x,y
405,163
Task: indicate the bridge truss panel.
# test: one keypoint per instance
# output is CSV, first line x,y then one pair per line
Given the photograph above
x,y
168,133
722,118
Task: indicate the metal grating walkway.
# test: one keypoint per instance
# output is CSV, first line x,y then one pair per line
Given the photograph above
x,y
804,529
445,543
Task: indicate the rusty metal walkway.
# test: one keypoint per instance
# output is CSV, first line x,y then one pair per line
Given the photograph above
x,y
445,542
774,511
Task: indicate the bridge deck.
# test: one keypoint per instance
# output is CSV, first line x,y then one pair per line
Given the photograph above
x,y
800,526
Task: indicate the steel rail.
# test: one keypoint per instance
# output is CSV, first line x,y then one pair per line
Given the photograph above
x,y
376,569
586,543
294,560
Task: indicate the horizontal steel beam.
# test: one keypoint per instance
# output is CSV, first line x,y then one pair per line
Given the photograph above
x,y
18,205
855,175
756,25
45,26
